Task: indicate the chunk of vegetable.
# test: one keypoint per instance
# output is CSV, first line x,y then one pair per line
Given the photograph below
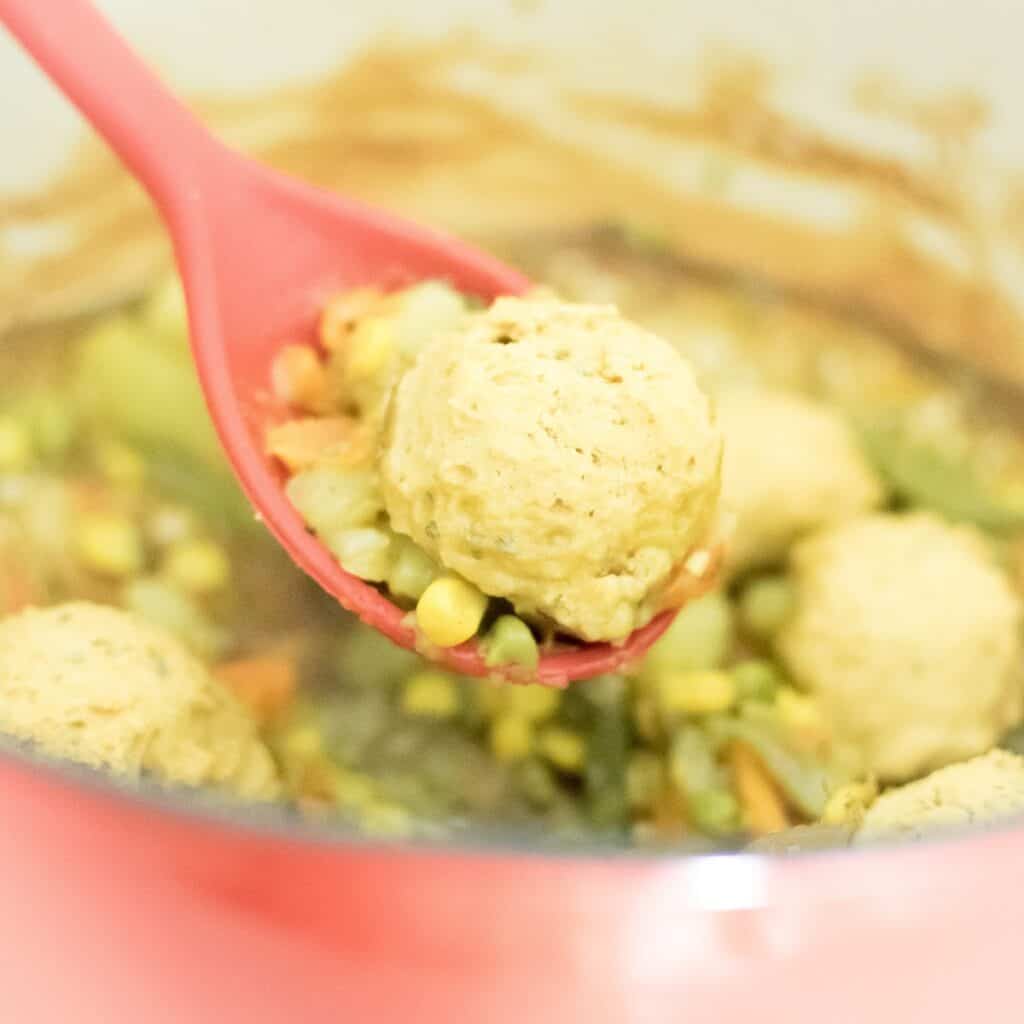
x,y
365,552
430,694
450,611
331,499
109,544
765,604
756,679
923,475
413,570
763,808
510,642
695,693
699,638
318,441
198,566
265,683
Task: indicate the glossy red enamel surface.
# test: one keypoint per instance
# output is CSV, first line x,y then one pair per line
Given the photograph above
x,y
115,911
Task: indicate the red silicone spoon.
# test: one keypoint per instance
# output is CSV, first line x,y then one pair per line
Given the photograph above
x,y
258,253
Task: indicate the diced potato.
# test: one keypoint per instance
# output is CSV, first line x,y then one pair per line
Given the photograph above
x,y
331,499
365,552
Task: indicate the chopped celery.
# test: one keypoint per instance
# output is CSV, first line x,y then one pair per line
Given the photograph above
x,y
144,393
699,638
804,780
692,764
211,491
924,475
605,774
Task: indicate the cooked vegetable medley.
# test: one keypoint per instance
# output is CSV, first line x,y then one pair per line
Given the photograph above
x,y
851,677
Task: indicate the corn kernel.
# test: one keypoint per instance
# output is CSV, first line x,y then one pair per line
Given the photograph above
x,y
430,695
695,693
303,741
848,803
565,749
511,737
450,611
369,350
15,445
299,378
533,701
197,566
110,545
119,464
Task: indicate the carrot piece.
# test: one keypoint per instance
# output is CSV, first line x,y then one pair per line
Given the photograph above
x,y
763,808
331,440
17,590
265,683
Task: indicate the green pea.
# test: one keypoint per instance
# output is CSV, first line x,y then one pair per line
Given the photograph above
x,y
765,605
714,811
757,679
538,783
510,642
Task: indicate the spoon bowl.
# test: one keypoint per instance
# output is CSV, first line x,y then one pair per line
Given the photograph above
x,y
259,253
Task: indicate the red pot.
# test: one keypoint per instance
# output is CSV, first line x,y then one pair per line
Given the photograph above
x,y
117,908
121,908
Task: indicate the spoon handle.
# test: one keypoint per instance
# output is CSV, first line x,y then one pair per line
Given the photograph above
x,y
155,135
